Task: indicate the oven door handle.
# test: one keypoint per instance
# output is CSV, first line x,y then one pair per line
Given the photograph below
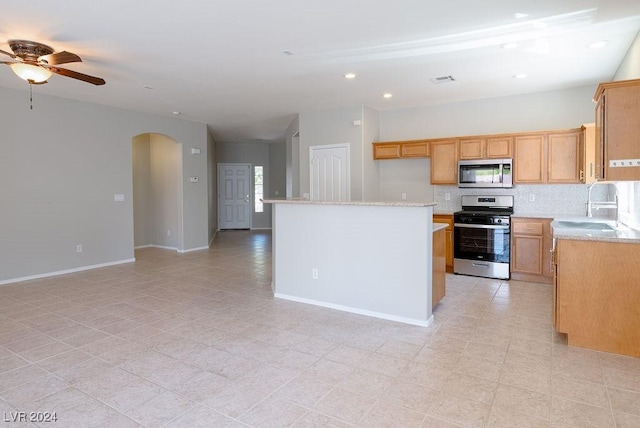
x,y
481,226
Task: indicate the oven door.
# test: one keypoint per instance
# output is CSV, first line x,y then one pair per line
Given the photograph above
x,y
489,243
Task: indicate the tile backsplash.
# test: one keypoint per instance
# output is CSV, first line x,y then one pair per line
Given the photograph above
x,y
551,199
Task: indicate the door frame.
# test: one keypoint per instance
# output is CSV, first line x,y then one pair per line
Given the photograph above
x,y
348,165
251,186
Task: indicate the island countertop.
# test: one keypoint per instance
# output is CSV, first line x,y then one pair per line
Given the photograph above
x,y
356,203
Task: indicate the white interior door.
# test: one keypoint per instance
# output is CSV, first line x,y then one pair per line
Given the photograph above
x,y
329,172
234,195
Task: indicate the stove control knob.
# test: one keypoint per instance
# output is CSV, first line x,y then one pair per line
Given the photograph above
x,y
499,220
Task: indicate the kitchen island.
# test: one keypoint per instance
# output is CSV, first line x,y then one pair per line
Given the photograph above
x,y
370,258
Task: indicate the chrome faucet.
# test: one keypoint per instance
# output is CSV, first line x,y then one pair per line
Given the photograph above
x,y
599,205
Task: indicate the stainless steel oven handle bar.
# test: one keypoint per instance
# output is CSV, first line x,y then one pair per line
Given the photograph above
x,y
480,226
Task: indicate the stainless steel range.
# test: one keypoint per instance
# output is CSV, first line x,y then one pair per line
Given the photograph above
x,y
482,236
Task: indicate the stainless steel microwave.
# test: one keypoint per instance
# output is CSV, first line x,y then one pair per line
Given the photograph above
x,y
485,173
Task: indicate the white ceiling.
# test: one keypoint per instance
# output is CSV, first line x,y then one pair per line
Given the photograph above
x,y
222,62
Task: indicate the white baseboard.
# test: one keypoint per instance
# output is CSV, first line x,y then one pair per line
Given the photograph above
x,y
66,271
214,235
172,248
190,250
405,320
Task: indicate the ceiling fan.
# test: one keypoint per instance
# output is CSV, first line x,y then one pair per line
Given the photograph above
x,y
36,62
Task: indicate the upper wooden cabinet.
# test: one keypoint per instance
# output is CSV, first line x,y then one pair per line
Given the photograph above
x,y
529,158
486,148
588,149
554,157
401,149
564,158
618,130
386,150
444,162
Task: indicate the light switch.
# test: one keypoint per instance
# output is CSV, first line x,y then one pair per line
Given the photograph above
x,y
195,151
118,197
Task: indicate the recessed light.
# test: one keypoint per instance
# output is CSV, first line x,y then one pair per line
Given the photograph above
x,y
176,113
510,45
350,76
520,76
598,44
287,52
387,95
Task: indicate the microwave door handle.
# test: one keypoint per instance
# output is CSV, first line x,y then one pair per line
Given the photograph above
x,y
500,165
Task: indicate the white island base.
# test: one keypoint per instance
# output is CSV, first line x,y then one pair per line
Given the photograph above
x,y
372,258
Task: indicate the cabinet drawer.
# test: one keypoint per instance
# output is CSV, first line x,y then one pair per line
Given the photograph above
x,y
527,228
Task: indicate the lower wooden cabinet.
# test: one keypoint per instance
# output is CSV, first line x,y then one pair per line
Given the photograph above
x,y
530,249
438,279
596,295
446,218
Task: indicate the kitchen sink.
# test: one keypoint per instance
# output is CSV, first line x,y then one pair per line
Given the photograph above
x,y
584,225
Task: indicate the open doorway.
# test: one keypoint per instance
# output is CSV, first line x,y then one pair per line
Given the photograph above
x,y
157,192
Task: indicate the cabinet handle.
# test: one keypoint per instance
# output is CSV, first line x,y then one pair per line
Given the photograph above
x,y
590,169
581,175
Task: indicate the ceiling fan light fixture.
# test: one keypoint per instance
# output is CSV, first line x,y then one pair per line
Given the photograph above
x,y
30,72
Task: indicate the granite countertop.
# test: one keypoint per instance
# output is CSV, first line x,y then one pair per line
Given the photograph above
x,y
442,212
439,226
357,203
535,215
622,234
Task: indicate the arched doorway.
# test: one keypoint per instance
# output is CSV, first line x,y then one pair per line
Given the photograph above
x,y
157,192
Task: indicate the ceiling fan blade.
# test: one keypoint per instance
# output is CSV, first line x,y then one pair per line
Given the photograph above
x,y
63,57
8,62
7,53
75,75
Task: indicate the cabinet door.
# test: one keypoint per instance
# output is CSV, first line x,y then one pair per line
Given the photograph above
x,y
472,148
386,150
444,218
622,132
439,267
599,135
529,159
444,162
527,254
418,149
499,147
588,148
564,157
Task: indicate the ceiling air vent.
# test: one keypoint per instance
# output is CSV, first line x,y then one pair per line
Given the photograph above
x,y
443,79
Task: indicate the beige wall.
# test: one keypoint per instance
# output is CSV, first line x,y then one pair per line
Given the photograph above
x,y
60,166
630,65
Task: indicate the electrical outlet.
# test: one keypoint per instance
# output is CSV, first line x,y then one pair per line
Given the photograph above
x,y
403,196
314,273
79,248
447,196
532,197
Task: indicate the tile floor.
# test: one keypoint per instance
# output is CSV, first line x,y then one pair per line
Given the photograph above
x,y
197,340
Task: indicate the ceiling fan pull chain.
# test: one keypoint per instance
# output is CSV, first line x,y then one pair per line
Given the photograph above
x,y
30,96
